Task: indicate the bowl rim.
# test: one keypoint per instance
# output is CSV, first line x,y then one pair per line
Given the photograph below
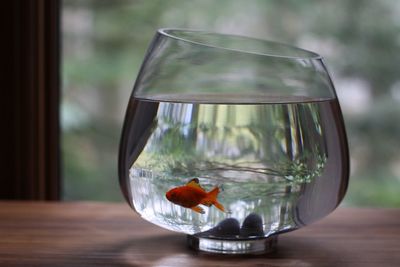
x,y
169,32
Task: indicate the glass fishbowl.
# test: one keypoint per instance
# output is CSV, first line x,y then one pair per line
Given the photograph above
x,y
232,140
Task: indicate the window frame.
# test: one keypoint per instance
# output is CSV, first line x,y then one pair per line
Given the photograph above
x,y
31,138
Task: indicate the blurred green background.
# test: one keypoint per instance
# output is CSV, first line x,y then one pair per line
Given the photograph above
x,y
104,42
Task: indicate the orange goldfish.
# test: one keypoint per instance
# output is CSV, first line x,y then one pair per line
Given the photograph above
x,y
192,194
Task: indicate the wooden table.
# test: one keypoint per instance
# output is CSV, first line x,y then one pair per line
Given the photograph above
x,y
100,234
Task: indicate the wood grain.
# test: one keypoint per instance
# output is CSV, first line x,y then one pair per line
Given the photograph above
x,y
103,234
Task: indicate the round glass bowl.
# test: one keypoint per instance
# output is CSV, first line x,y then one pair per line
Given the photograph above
x,y
232,140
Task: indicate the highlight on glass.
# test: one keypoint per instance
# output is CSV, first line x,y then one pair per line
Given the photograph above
x,y
232,140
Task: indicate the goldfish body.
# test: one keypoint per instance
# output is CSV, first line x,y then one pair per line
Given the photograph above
x,y
192,194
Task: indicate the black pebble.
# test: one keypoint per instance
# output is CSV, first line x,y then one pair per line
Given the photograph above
x,y
227,228
252,226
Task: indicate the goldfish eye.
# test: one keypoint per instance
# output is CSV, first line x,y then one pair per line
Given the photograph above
x,y
170,194
173,194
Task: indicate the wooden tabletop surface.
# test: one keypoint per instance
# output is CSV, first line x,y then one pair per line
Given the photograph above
x,y
103,234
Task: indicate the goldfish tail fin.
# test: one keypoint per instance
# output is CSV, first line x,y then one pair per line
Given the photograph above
x,y
211,199
221,187
219,206
212,195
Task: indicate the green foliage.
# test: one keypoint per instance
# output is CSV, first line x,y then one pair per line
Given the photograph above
x,y
374,189
104,43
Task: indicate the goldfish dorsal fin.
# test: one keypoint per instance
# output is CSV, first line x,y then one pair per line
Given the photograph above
x,y
194,183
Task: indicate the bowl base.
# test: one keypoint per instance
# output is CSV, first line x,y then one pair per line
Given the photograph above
x,y
233,246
